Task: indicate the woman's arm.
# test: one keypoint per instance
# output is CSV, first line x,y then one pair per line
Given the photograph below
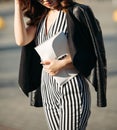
x,y
54,66
23,35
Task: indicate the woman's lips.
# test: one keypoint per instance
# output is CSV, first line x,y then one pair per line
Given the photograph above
x,y
47,3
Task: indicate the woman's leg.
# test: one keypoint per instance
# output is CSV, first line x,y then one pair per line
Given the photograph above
x,y
75,105
51,97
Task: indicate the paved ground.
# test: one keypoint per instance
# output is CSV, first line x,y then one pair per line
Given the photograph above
x,y
15,112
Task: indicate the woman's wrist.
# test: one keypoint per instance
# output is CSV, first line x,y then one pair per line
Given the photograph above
x,y
18,5
17,2
67,62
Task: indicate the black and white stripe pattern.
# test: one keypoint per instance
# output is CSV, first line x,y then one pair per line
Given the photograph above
x,y
59,25
67,107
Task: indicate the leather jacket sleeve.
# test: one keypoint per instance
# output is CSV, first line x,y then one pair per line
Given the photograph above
x,y
84,58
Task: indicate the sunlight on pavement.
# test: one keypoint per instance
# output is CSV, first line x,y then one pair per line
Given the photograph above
x,y
115,16
2,23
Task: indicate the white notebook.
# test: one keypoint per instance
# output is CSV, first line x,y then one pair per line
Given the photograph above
x,y
54,48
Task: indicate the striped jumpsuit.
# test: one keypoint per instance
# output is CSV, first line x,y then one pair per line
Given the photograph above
x,y
67,107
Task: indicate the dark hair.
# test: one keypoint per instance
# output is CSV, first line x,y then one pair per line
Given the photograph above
x,y
36,11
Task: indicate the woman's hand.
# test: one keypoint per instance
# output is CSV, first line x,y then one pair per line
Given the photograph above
x,y
54,66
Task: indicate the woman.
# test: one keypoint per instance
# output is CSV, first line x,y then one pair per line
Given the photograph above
x,y
67,106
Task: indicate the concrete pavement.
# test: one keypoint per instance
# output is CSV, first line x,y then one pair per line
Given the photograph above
x,y
15,112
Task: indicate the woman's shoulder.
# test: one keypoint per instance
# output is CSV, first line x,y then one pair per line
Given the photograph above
x,y
80,10
80,7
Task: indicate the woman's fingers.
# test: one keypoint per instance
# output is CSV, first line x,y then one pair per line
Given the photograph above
x,y
45,62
